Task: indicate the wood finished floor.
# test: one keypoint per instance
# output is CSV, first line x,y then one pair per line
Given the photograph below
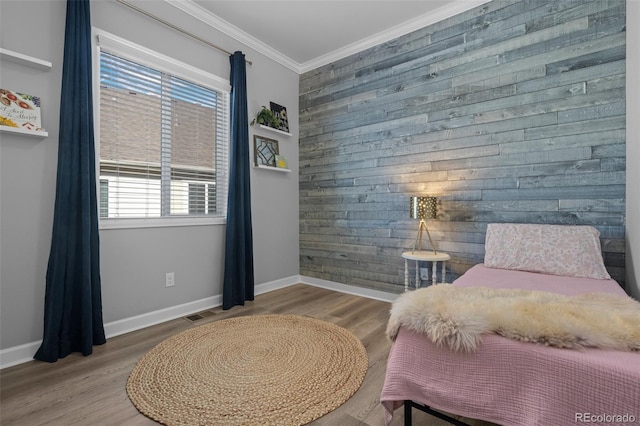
x,y
79,390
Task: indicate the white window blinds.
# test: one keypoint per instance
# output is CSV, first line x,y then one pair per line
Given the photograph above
x,y
163,142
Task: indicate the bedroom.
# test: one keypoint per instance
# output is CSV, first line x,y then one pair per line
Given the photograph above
x,y
133,280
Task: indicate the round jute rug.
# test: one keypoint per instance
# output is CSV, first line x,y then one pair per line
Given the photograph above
x,y
251,370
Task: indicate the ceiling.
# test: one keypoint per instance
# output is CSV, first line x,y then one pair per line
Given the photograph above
x,y
306,34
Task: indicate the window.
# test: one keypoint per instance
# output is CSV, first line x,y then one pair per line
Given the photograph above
x,y
104,198
163,136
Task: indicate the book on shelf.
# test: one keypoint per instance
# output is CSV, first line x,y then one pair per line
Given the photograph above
x,y
20,110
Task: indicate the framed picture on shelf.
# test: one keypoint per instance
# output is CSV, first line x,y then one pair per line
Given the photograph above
x,y
265,151
19,110
281,114
281,162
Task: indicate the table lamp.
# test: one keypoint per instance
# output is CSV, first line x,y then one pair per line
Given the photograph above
x,y
422,208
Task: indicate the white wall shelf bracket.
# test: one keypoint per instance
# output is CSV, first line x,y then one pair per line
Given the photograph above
x,y
10,55
18,131
274,130
276,169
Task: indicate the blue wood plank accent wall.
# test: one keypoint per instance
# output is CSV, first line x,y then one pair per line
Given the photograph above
x,y
510,112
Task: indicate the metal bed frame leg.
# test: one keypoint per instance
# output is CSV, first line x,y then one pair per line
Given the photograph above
x,y
408,404
407,413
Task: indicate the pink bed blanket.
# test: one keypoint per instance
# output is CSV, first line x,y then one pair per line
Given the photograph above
x,y
514,383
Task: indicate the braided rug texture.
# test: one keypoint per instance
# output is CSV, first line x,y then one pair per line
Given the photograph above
x,y
250,370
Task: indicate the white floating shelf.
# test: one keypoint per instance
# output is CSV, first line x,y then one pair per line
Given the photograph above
x,y
19,58
274,130
18,131
277,169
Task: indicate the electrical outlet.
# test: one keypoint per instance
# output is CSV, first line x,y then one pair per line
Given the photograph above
x,y
424,274
170,279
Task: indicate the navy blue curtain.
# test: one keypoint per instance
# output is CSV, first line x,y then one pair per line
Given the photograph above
x,y
73,303
238,283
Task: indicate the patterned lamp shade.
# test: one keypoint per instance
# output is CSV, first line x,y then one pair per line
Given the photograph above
x,y
422,207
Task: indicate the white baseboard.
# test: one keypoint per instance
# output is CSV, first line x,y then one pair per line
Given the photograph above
x,y
276,284
127,325
18,354
350,289
24,353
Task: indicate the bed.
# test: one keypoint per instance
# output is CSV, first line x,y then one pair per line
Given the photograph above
x,y
510,382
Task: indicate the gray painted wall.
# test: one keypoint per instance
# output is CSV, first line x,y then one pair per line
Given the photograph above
x,y
511,112
133,261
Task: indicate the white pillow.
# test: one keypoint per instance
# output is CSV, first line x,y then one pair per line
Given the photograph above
x,y
567,250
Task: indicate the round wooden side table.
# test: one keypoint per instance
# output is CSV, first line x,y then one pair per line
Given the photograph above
x,y
424,256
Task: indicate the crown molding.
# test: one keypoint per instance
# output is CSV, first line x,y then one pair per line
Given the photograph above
x,y
454,8
196,11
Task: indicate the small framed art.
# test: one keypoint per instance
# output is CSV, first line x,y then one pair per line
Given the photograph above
x,y
265,151
281,114
281,162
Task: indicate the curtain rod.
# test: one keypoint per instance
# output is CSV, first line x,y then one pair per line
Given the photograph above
x,y
162,21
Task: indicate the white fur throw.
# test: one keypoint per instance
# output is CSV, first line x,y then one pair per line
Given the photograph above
x,y
458,316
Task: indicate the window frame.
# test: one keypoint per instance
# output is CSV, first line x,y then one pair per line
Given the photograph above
x,y
150,58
